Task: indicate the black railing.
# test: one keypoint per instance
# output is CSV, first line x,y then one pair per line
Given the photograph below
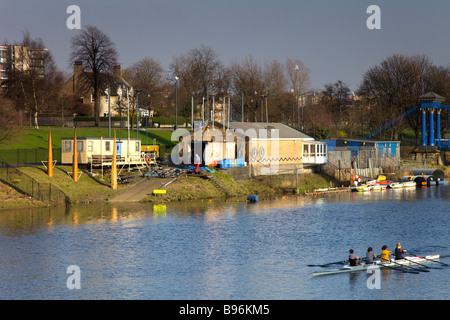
x,y
28,157
45,192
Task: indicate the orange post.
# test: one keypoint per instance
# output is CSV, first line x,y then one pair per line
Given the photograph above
x,y
50,155
75,156
114,166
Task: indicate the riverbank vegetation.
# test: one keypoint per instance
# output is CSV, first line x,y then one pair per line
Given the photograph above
x,y
266,187
10,198
95,188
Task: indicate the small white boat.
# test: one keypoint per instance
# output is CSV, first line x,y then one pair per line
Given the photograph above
x,y
409,184
363,188
378,187
396,264
396,185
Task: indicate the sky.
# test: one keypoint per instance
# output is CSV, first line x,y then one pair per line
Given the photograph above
x,y
329,36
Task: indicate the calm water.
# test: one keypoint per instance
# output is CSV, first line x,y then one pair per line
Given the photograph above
x,y
224,250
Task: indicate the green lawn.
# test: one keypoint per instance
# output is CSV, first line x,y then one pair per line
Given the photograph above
x,y
38,138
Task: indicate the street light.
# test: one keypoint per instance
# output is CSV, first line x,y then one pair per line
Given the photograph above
x,y
137,113
303,95
242,106
146,120
109,105
176,102
264,96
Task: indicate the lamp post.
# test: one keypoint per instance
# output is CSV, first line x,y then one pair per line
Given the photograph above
x,y
176,102
109,111
242,106
207,101
203,111
108,87
146,121
298,109
62,109
128,115
262,108
303,104
137,113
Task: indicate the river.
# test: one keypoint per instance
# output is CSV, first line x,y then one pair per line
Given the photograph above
x,y
224,250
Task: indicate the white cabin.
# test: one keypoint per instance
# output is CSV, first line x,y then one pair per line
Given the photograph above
x,y
99,150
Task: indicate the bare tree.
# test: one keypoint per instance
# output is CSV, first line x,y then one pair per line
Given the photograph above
x,y
392,88
298,75
98,53
247,79
274,77
278,100
335,97
11,120
200,73
147,75
34,80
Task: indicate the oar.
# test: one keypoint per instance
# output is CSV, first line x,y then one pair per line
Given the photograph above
x,y
403,266
444,264
394,268
327,264
398,269
428,267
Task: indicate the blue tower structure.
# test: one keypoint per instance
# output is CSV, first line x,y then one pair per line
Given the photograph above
x,y
431,103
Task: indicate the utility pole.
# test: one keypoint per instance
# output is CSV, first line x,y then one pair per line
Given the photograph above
x,y
242,107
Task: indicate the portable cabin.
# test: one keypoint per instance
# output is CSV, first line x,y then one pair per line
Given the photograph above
x,y
99,150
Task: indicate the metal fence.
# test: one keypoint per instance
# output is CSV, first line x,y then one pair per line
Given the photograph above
x,y
27,157
22,182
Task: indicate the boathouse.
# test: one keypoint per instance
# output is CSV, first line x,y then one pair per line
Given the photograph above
x,y
262,148
276,147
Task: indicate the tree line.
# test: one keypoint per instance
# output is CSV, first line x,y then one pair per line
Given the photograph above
x,y
274,91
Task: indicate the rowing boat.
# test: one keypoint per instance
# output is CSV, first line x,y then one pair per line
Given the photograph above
x,y
397,264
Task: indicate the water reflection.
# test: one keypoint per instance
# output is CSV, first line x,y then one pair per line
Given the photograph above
x,y
20,221
223,250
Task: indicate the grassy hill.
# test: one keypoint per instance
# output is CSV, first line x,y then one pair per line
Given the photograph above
x,y
38,138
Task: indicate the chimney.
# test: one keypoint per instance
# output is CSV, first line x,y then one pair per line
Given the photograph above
x,y
117,70
78,70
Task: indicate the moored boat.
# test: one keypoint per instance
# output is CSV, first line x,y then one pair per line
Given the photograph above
x,y
409,184
379,187
401,185
363,188
396,185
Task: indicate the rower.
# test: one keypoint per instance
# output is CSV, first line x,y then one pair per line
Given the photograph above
x,y
385,253
352,258
370,256
399,252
